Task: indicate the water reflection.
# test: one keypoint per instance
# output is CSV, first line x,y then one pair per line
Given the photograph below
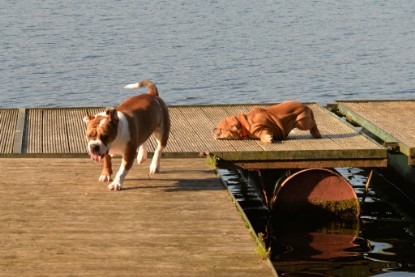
x,y
313,240
381,241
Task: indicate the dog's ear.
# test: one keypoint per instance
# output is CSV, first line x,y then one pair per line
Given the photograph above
x,y
88,118
112,115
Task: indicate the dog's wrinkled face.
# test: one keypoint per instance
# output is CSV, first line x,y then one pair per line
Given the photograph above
x,y
101,131
228,128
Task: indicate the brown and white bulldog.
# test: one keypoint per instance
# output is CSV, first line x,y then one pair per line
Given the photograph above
x,y
124,129
272,123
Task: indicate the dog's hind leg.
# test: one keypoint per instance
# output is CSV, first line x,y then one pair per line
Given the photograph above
x,y
307,122
315,132
161,136
142,153
155,162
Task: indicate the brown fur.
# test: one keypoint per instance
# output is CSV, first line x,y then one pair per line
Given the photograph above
x,y
268,124
146,114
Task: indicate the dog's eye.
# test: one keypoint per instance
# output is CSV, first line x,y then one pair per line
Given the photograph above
x,y
104,137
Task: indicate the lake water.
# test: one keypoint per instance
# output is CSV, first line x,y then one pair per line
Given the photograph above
x,y
381,242
56,53
82,52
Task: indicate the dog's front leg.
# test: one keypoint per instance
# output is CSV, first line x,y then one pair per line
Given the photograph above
x,y
266,136
106,170
126,164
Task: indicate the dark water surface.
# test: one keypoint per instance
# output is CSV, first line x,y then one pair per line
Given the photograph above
x,y
381,241
82,52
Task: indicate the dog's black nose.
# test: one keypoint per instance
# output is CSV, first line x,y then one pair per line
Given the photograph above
x,y
94,148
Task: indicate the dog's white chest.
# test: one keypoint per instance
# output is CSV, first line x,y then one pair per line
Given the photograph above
x,y
118,146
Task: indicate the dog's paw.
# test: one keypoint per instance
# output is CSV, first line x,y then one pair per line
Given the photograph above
x,y
105,178
267,138
154,168
315,132
115,186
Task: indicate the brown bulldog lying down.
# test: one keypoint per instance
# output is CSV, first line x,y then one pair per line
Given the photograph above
x,y
274,122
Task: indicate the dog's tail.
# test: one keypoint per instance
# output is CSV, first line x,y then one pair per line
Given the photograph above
x,y
151,87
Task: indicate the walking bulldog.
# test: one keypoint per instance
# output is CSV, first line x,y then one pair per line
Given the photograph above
x,y
272,123
125,129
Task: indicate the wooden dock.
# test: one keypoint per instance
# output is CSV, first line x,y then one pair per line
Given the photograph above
x,y
391,121
60,132
57,220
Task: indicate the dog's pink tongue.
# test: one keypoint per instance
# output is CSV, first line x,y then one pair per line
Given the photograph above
x,y
95,157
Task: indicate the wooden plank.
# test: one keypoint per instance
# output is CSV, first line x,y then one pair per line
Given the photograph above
x,y
192,134
47,135
20,128
203,128
76,130
8,121
389,120
35,131
189,140
63,222
272,164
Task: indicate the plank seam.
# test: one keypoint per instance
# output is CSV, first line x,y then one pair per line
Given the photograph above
x,y
20,128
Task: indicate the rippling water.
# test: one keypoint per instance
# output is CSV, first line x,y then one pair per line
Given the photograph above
x,y
82,52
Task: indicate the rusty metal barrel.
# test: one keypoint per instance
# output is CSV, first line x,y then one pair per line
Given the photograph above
x,y
317,192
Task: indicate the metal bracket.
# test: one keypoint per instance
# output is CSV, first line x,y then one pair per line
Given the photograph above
x,y
391,146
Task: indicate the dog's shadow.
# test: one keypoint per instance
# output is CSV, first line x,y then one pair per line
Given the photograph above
x,y
180,184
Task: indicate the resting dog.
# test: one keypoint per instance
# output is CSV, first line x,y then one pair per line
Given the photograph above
x,y
272,123
124,129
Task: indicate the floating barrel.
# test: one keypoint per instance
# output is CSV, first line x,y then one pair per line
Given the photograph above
x,y
318,192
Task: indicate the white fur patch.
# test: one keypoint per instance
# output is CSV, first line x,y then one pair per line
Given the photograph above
x,y
102,122
102,148
119,178
131,86
117,146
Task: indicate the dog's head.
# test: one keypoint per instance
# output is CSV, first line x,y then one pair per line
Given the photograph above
x,y
228,128
101,131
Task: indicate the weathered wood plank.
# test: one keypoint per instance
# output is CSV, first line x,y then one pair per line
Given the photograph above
x,y
61,132
63,222
19,132
76,130
8,122
392,121
189,141
35,131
